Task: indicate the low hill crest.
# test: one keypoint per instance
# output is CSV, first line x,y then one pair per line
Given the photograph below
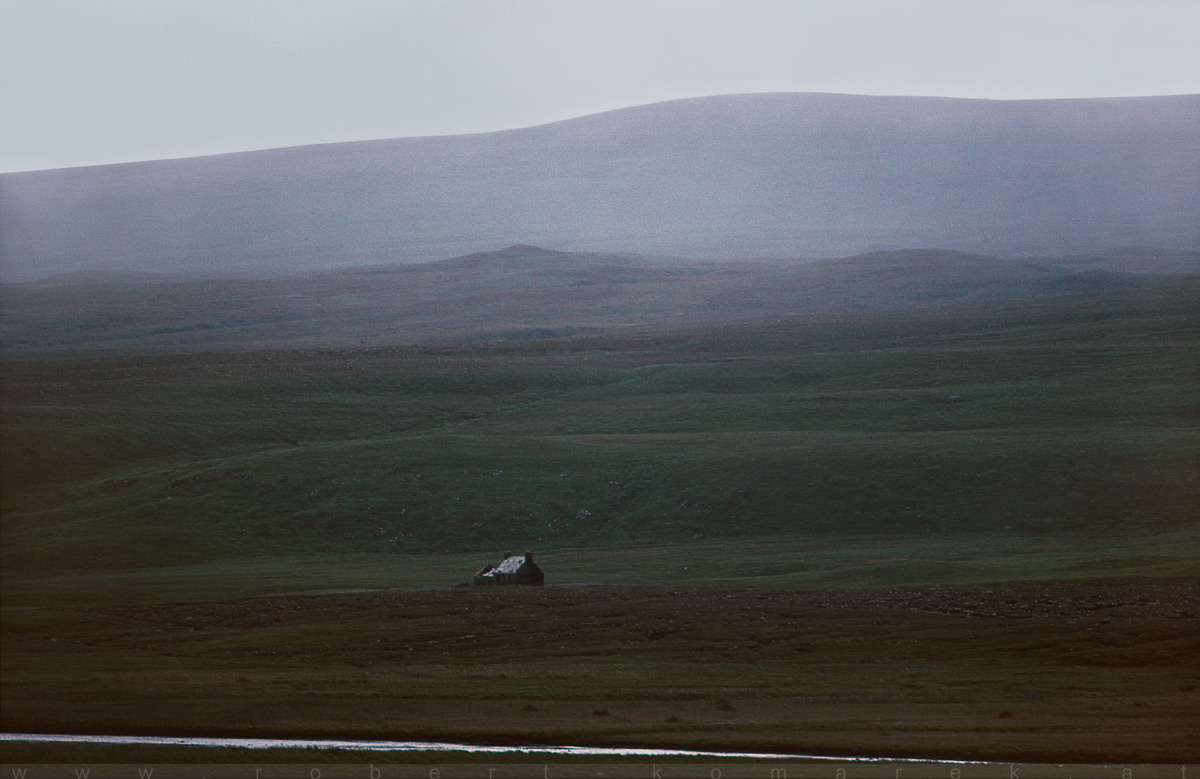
x,y
523,292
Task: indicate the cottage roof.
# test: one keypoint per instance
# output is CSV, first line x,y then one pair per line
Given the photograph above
x,y
511,564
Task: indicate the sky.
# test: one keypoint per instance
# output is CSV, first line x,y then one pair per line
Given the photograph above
x,y
87,82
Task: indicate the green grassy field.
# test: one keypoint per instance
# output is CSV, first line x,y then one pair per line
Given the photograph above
x,y
953,532
1032,418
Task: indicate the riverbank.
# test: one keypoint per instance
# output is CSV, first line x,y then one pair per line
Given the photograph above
x,y
410,760
1080,671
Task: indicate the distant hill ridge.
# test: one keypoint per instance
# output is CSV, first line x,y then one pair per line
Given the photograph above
x,y
728,177
521,254
526,292
100,276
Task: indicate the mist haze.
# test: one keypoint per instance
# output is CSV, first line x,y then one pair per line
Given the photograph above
x,y
738,176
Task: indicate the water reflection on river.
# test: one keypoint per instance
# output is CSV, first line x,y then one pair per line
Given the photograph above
x,y
415,746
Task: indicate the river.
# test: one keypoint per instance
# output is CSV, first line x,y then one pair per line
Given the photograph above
x,y
431,746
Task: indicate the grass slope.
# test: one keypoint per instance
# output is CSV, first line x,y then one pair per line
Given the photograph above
x,y
1072,416
967,533
525,292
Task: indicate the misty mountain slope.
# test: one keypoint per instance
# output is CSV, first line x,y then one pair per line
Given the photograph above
x,y
528,292
767,175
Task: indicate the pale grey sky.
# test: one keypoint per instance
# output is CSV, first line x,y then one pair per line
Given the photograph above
x,y
86,82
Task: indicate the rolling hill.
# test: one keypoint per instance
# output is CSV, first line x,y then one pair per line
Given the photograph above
x,y
527,292
936,501
765,175
1063,415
